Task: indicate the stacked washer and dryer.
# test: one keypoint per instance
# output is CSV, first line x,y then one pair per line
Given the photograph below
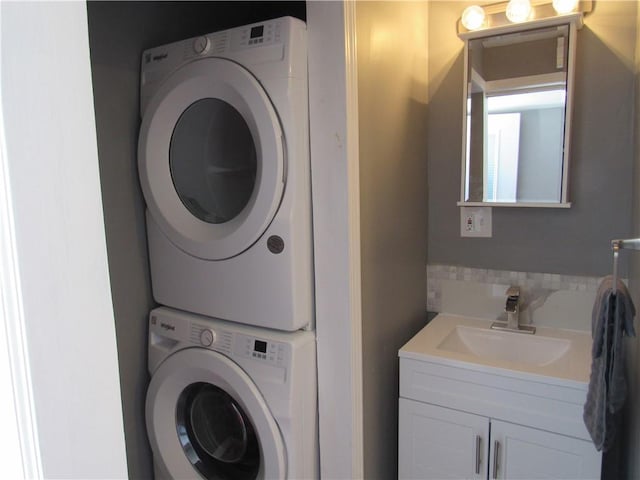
x,y
223,158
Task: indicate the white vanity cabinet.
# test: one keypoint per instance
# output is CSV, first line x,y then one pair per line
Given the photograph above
x,y
525,453
465,419
439,443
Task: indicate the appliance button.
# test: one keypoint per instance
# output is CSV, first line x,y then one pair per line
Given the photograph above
x,y
275,244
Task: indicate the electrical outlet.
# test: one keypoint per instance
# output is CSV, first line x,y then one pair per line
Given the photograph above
x,y
475,222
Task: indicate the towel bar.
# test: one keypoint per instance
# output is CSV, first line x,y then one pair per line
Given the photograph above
x,y
616,245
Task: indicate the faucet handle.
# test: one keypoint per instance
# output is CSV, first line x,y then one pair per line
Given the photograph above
x,y
513,292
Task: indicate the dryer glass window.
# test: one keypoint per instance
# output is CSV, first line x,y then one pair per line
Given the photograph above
x,y
216,434
213,160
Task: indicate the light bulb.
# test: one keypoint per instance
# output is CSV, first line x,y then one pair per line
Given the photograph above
x,y
564,6
473,17
518,10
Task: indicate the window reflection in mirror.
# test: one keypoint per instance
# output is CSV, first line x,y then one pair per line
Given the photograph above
x,y
515,117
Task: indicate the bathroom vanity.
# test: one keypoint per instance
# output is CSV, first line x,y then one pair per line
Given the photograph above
x,y
486,404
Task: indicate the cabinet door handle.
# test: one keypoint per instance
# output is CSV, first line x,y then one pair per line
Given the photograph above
x,y
496,457
478,453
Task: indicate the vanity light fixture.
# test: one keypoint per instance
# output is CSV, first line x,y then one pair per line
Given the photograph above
x,y
563,7
514,12
518,11
473,17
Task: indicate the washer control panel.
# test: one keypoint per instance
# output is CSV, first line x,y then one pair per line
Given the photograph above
x,y
263,350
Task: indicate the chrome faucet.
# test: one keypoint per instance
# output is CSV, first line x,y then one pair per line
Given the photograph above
x,y
512,308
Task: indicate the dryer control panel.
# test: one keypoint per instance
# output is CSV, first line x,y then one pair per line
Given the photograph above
x,y
259,34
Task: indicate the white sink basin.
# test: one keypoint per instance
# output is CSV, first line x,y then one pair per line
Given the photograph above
x,y
470,343
505,346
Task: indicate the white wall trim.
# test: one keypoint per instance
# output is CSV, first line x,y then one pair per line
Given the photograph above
x,y
60,245
335,180
353,186
19,418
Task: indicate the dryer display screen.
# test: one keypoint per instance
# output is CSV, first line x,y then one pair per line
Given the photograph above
x,y
257,31
260,346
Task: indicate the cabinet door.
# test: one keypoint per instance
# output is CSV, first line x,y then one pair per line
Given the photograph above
x,y
440,443
519,452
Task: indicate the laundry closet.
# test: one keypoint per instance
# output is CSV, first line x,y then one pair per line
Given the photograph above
x,y
119,33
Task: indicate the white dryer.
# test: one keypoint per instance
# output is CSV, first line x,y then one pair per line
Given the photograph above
x,y
223,157
230,401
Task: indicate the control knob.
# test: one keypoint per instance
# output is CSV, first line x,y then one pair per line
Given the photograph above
x,y
207,337
201,45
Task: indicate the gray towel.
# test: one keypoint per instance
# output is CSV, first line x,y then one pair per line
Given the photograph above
x,y
612,318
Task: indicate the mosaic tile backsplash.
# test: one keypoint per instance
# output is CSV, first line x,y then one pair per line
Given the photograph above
x,y
564,301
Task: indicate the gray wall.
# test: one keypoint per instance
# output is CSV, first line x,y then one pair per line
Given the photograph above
x,y
392,98
118,32
565,241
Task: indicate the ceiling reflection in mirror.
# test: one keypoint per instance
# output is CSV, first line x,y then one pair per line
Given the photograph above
x,y
515,117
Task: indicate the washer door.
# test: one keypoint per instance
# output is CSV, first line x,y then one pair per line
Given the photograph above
x,y
211,159
206,418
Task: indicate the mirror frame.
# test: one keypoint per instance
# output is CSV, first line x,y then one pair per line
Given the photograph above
x,y
574,21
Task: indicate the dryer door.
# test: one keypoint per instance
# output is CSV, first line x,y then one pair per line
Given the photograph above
x,y
211,159
206,418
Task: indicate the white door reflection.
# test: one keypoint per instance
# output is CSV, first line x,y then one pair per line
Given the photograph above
x,y
524,140
501,174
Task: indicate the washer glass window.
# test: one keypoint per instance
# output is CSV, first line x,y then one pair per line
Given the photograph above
x,y
212,158
216,434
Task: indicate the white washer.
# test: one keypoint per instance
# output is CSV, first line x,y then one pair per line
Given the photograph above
x,y
230,401
223,157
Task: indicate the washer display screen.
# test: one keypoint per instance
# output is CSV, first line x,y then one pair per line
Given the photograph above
x,y
257,31
260,346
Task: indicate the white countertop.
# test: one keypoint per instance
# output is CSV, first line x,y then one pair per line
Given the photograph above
x,y
572,369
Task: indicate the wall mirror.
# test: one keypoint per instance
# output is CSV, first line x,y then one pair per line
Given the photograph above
x,y
518,91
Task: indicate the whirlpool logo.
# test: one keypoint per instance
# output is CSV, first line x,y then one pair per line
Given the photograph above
x,y
167,326
148,57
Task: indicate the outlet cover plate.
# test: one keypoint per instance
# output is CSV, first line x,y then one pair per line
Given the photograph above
x,y
475,222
